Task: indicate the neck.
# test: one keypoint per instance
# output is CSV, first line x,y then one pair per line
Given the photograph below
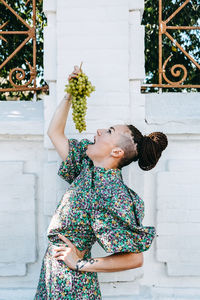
x,y
105,164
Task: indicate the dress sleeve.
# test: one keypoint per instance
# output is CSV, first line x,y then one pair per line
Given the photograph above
x,y
117,225
75,161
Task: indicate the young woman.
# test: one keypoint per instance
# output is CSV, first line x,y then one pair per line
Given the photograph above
x,y
97,206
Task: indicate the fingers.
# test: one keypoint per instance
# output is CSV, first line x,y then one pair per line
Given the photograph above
x,y
59,254
60,249
72,76
61,257
64,239
76,69
74,73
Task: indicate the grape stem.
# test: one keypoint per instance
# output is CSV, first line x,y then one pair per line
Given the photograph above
x,y
81,67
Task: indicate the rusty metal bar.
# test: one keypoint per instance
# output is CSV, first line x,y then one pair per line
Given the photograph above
x,y
34,40
174,86
44,88
15,52
15,32
176,11
14,13
179,46
160,42
183,27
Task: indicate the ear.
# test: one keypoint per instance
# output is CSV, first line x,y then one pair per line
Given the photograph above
x,y
117,152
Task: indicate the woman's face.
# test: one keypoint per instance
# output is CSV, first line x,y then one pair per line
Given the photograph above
x,y
105,141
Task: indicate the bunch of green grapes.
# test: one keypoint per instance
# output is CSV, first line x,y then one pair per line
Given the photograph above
x,y
79,88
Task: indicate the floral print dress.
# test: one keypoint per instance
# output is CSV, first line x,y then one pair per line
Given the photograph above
x,y
97,206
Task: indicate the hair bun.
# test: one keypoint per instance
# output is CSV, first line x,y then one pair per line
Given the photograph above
x,y
150,150
159,138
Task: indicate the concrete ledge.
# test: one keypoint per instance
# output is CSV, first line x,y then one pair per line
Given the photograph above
x,y
21,117
173,112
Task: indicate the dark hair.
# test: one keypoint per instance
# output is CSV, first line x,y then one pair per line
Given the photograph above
x,y
149,148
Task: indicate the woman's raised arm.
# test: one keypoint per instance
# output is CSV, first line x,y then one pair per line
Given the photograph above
x,y
57,125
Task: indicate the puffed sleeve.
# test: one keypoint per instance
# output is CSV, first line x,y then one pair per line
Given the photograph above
x,y
75,161
117,224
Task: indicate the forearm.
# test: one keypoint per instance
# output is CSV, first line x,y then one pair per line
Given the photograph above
x,y
112,263
58,122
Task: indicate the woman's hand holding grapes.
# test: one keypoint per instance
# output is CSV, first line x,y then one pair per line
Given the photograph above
x,y
74,73
79,87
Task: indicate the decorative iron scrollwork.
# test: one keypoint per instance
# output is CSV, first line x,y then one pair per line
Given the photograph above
x,y
164,30
31,35
174,72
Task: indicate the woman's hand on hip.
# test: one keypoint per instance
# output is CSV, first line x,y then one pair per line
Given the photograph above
x,y
70,254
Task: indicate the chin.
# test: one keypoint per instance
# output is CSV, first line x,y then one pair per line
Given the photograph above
x,y
88,151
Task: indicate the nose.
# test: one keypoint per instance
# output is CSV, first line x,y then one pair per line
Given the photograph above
x,y
100,131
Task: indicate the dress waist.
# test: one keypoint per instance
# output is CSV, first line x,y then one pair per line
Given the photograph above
x,y
51,246
55,241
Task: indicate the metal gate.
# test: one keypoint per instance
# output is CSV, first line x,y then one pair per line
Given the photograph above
x,y
164,29
30,34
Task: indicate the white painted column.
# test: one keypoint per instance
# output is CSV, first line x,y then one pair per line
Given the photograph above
x,y
136,77
136,63
50,64
50,104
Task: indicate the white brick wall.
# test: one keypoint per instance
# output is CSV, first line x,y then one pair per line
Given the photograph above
x,y
17,218
178,223
96,34
21,225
